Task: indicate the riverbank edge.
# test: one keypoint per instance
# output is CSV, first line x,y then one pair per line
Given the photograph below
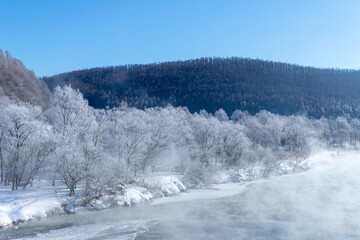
x,y
246,177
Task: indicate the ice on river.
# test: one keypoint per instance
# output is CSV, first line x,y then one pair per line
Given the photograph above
x,y
119,230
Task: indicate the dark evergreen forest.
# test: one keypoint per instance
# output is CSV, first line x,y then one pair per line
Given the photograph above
x,y
228,83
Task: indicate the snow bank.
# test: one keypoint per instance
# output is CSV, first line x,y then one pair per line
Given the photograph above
x,y
155,186
135,195
22,205
130,196
167,185
261,171
43,200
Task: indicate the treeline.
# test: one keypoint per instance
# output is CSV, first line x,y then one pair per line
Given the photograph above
x,y
214,83
102,150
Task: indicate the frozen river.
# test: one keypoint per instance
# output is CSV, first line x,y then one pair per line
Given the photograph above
x,y
323,203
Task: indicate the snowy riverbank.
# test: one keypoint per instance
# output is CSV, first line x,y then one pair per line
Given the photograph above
x,y
43,201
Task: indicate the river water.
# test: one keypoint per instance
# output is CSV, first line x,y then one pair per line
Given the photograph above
x,y
322,203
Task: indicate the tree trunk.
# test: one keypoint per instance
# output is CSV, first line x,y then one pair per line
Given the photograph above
x,y
72,191
1,166
13,187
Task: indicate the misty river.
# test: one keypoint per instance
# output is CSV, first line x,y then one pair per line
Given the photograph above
x,y
322,203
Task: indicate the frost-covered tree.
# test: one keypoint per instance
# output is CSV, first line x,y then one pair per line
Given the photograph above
x,y
73,121
25,143
342,131
234,146
103,150
355,133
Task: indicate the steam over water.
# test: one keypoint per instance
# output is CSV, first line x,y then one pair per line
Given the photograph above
x,y
323,203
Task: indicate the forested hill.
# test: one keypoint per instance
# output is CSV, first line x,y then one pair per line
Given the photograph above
x,y
18,83
213,83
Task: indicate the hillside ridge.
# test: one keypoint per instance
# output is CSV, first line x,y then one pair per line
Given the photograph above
x,y
228,83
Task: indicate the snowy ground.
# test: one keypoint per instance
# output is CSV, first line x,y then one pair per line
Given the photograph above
x,y
42,200
34,202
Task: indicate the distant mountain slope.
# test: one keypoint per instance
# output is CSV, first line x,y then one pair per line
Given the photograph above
x,y
213,83
17,82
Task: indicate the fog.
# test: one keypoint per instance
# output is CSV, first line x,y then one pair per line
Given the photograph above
x,y
322,203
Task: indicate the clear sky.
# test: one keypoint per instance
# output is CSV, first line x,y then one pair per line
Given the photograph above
x,y
52,37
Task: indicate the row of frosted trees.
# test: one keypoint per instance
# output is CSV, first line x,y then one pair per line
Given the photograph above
x,y
102,150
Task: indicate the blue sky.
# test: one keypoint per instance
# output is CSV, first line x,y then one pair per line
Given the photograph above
x,y
52,37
